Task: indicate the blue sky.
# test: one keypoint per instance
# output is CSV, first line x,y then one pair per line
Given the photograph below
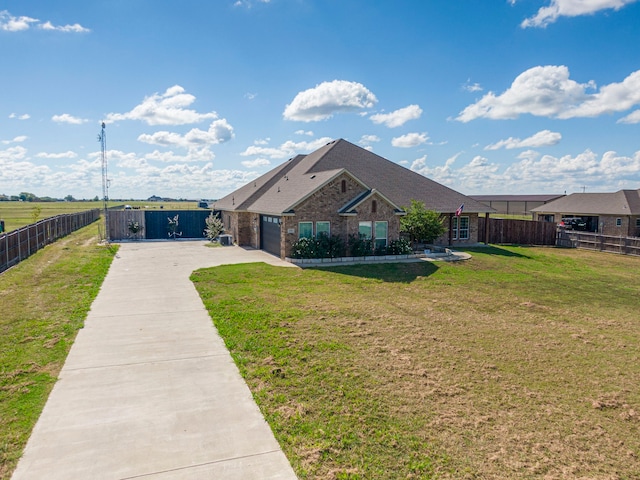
x,y
200,97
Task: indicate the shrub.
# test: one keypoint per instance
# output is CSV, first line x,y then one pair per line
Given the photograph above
x,y
321,247
402,246
303,248
359,246
214,227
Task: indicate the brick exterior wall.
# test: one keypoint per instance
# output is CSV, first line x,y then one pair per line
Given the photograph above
x,y
324,205
607,226
241,226
443,241
634,227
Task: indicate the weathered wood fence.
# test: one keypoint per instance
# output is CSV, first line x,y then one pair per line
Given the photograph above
x,y
19,244
596,241
517,232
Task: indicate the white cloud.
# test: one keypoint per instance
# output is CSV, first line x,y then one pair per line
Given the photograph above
x,y
286,150
472,87
10,23
18,139
409,140
327,99
398,117
366,141
257,163
528,155
219,132
309,133
68,154
25,116
615,97
195,154
70,119
633,117
75,28
541,91
249,3
13,153
533,173
571,8
543,138
165,109
549,92
18,174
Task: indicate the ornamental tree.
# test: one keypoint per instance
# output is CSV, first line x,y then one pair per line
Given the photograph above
x,y
420,224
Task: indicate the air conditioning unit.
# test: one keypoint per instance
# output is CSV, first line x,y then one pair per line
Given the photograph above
x,y
226,240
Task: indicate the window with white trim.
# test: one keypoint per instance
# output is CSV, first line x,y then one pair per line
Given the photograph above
x,y
637,222
364,229
461,228
323,228
305,229
618,222
381,229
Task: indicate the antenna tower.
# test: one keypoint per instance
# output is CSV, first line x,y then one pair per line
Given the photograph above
x,y
105,179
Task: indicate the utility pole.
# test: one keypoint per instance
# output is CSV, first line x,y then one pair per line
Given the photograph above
x,y
105,179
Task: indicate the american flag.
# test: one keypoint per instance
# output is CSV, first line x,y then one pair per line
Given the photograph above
x,y
459,210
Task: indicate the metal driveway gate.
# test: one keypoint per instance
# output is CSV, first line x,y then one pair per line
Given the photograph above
x,y
191,223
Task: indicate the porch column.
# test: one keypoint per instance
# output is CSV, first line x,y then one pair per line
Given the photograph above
x,y
486,228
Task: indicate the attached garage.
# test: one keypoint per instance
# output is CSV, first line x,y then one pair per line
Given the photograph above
x,y
270,234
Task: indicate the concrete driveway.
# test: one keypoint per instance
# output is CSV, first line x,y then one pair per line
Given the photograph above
x,y
149,389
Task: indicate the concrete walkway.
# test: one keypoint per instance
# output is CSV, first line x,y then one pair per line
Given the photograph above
x,y
149,389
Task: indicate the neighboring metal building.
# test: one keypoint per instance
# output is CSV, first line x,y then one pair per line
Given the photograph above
x,y
515,204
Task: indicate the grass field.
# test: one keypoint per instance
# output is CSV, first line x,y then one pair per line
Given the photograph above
x,y
519,363
19,214
44,301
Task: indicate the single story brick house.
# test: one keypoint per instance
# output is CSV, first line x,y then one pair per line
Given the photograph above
x,y
615,214
340,189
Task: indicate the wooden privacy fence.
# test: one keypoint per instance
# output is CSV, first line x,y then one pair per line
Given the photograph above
x,y
19,244
596,241
518,232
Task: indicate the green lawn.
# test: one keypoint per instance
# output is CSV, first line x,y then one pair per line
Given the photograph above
x,y
519,363
44,301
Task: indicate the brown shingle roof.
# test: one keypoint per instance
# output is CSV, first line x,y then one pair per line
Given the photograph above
x,y
279,190
622,202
